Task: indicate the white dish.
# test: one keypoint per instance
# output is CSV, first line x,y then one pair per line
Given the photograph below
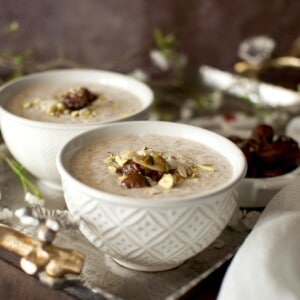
x,y
35,144
271,95
257,192
151,234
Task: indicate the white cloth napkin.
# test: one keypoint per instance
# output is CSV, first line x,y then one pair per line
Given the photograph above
x,y
267,265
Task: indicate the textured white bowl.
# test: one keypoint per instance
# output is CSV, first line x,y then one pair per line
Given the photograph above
x,y
258,192
151,234
35,144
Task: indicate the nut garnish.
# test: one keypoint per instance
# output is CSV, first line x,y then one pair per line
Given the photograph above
x,y
146,167
167,181
206,167
74,102
27,104
182,171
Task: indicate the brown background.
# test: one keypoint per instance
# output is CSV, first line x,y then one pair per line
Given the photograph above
x,y
118,33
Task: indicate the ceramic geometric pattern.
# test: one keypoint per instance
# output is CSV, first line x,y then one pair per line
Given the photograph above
x,y
150,238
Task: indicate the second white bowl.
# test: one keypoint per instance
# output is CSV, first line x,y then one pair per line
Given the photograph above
x,y
34,143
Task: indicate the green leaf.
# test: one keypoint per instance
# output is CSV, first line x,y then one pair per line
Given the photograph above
x,y
19,59
163,42
27,184
12,27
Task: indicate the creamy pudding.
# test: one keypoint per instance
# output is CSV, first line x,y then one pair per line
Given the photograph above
x,y
150,166
47,103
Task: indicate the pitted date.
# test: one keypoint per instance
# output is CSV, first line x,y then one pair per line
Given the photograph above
x,y
135,180
131,167
78,98
267,154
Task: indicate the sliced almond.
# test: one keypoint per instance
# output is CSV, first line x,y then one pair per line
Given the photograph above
x,y
172,162
160,161
182,171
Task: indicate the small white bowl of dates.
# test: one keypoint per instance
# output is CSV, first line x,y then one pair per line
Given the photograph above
x,y
151,194
273,161
41,111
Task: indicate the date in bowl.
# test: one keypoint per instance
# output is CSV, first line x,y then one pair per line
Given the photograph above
x,y
41,111
150,233
273,161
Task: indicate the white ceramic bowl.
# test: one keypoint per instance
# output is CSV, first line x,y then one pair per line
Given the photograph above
x,y
35,144
151,234
258,192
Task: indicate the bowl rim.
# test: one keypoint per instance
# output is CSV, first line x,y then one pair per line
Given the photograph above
x,y
287,175
148,202
31,77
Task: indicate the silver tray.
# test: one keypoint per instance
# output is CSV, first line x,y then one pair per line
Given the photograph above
x,y
109,280
256,91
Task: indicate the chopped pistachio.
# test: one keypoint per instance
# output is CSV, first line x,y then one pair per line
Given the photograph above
x,y
75,113
206,167
85,112
120,161
60,106
193,171
112,169
27,105
167,181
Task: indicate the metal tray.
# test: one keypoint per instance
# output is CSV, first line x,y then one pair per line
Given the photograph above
x,y
109,280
